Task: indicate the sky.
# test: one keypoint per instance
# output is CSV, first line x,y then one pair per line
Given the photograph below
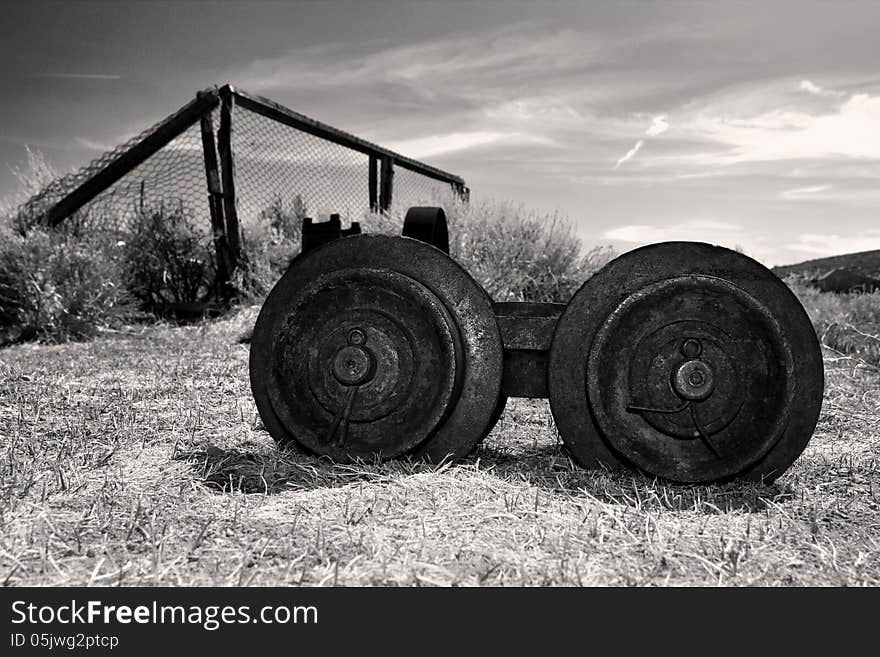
x,y
750,125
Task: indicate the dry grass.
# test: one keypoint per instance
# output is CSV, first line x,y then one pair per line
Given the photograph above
x,y
137,458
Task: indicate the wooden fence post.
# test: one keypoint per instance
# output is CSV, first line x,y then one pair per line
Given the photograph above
x,y
386,183
227,166
374,170
215,204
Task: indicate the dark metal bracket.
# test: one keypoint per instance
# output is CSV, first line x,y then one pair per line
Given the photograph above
x,y
314,234
526,334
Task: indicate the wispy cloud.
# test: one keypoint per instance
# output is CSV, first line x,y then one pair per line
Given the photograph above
x,y
816,90
489,62
92,144
751,129
79,76
801,193
544,111
658,126
630,154
826,244
713,231
693,229
439,144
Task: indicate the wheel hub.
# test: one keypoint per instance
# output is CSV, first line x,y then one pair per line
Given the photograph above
x,y
366,363
697,350
693,380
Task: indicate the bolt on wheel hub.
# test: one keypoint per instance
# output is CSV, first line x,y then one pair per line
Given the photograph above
x,y
354,364
693,380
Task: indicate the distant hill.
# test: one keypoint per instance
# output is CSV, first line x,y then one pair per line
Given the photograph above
x,y
864,262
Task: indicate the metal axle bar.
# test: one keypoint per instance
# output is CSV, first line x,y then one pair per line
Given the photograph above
x,y
526,334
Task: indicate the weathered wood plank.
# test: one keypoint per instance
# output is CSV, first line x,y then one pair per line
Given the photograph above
x,y
374,191
215,204
227,176
386,183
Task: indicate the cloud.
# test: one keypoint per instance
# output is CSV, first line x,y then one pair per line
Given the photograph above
x,y
548,111
827,244
630,154
847,130
499,57
713,231
438,144
79,76
93,145
691,230
802,193
816,90
658,126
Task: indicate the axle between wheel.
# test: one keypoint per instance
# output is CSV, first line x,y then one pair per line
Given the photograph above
x,y
686,361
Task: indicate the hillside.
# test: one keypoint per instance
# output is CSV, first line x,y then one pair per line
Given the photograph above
x,y
863,262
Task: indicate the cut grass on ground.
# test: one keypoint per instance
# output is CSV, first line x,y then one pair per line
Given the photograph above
x,y
138,459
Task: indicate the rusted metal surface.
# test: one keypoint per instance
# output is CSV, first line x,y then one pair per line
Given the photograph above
x,y
366,363
691,362
427,225
370,346
525,374
527,326
526,333
316,233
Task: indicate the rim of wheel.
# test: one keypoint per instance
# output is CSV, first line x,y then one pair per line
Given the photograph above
x,y
469,384
657,360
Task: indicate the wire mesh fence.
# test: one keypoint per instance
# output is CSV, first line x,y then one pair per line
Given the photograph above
x,y
172,180
278,159
174,176
412,188
234,172
276,164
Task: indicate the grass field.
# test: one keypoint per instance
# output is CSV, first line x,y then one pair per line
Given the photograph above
x,y
138,458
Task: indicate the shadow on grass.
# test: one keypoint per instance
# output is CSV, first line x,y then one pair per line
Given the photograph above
x,y
550,468
280,470
546,467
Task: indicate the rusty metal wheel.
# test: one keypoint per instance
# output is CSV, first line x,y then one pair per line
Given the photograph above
x,y
372,347
691,362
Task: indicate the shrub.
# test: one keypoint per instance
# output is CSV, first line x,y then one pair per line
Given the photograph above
x,y
55,287
167,259
515,253
519,254
274,238
268,245
848,323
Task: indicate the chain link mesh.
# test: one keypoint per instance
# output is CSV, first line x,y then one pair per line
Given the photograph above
x,y
275,165
411,188
173,177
